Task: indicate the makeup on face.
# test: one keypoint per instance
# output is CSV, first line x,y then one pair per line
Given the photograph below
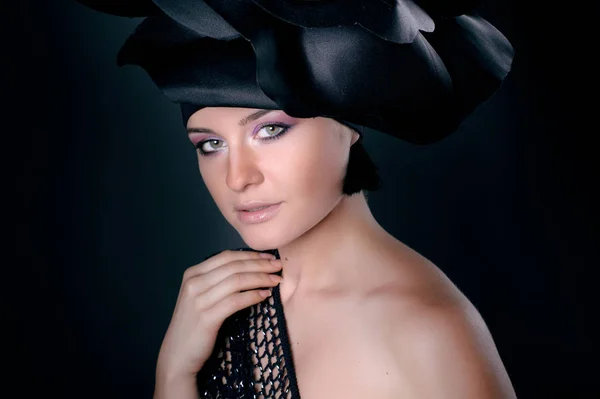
x,y
267,125
258,216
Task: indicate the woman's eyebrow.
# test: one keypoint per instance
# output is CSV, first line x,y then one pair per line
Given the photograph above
x,y
254,116
244,121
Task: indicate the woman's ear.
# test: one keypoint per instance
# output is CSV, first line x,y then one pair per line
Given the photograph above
x,y
355,137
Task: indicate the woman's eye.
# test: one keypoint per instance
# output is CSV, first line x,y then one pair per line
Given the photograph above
x,y
272,130
210,145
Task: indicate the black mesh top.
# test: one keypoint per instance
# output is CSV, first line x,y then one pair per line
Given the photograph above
x,y
252,356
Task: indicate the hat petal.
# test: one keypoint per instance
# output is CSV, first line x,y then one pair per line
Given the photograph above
x,y
200,17
192,69
477,55
397,21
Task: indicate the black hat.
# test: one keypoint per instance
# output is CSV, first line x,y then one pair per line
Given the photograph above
x,y
412,69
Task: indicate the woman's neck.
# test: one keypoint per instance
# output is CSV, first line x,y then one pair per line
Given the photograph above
x,y
333,252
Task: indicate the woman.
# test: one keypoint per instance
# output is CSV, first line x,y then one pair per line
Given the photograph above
x,y
275,97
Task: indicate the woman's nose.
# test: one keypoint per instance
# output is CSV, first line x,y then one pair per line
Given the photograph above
x,y
242,169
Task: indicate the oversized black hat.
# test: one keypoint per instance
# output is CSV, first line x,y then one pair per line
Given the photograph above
x,y
414,69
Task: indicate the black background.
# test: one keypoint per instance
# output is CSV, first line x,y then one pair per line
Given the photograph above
x,y
111,209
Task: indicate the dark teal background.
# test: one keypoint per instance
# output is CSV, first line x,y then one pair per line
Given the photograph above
x,y
111,208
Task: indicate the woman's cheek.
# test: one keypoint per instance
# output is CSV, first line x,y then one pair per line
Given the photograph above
x,y
210,177
313,175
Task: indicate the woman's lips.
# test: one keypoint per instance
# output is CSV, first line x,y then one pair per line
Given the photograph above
x,y
258,216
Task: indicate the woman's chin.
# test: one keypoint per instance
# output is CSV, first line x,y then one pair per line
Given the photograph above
x,y
260,239
268,239
261,245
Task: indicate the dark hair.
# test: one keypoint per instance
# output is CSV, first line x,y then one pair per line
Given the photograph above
x,y
361,173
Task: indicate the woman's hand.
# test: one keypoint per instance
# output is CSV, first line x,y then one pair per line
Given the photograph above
x,y
210,292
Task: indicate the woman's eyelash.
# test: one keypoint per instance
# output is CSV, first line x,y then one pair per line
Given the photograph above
x,y
285,128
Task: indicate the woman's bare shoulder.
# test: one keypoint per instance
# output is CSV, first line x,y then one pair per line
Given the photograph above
x,y
446,350
438,338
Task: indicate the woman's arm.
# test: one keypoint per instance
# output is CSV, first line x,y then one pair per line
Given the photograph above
x,y
181,387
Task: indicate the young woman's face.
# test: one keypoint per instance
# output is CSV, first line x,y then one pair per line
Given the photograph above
x,y
249,155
